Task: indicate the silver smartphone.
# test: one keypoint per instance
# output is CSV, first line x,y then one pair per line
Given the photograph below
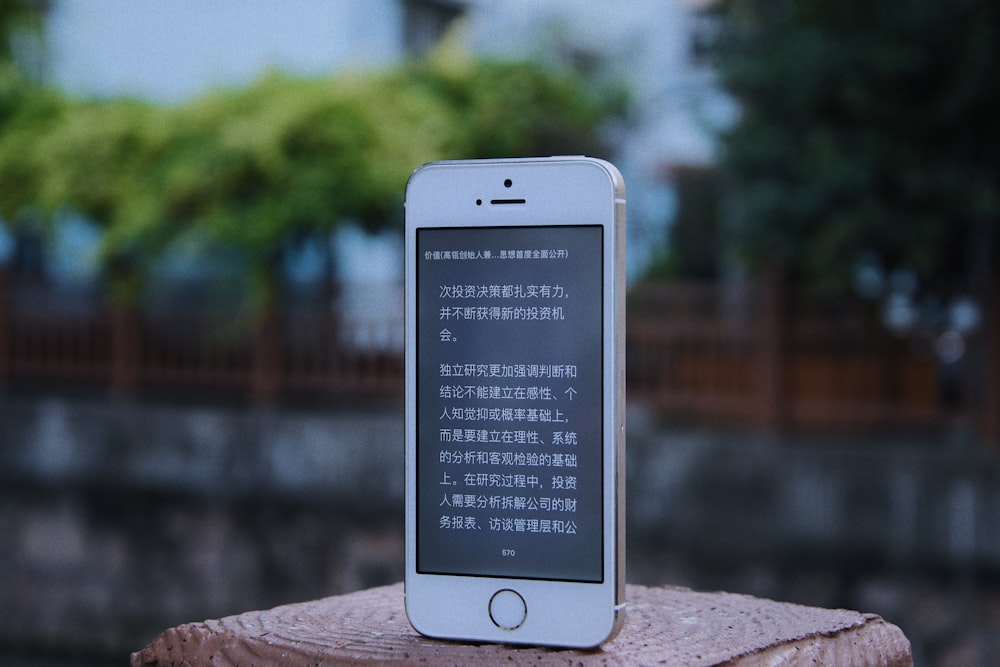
x,y
515,426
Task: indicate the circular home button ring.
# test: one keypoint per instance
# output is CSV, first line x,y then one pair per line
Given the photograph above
x,y
507,609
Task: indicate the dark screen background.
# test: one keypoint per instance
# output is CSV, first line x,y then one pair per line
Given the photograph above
x,y
509,395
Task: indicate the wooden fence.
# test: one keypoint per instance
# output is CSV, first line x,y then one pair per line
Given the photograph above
x,y
128,352
744,355
726,355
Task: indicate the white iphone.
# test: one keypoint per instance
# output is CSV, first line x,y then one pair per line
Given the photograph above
x,y
515,427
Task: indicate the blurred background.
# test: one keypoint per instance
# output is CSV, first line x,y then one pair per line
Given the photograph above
x,y
200,295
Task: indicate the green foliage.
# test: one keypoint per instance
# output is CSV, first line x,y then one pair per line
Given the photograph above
x,y
280,160
868,129
16,18
27,112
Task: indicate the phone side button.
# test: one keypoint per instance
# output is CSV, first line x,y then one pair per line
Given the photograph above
x,y
507,609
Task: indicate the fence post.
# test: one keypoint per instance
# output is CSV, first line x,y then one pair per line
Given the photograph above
x,y
5,325
266,361
124,349
990,406
773,341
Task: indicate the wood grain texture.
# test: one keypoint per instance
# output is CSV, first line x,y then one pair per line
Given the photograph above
x,y
673,626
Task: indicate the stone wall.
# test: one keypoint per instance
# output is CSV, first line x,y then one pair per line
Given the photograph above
x,y
903,504
118,519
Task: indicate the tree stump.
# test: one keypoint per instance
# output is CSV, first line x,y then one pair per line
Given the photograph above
x,y
673,626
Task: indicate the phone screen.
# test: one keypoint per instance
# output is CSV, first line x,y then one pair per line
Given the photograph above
x,y
510,423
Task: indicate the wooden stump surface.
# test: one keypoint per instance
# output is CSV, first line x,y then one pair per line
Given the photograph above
x,y
672,626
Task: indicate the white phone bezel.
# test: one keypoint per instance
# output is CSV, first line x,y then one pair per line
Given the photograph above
x,y
556,191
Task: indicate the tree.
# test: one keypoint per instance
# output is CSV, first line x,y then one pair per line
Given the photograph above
x,y
282,159
869,130
22,101
17,19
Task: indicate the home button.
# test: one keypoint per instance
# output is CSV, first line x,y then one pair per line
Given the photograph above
x,y
507,609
